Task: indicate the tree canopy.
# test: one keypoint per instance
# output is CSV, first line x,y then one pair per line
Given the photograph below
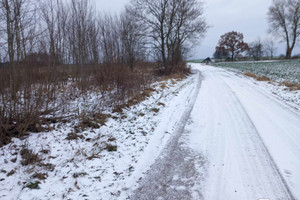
x,y
284,21
233,43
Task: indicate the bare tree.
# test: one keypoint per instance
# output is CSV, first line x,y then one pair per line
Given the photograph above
x,y
170,25
186,27
256,50
110,38
7,13
152,15
93,42
284,20
81,19
221,53
269,48
18,17
49,16
132,38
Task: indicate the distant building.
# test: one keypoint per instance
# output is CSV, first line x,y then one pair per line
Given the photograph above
x,y
207,60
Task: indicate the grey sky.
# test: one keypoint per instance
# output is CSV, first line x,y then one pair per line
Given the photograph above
x,y
246,16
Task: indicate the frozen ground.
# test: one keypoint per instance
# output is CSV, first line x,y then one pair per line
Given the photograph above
x,y
240,142
251,140
215,135
280,70
286,71
84,168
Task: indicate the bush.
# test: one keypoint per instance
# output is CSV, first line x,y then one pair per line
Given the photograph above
x,y
38,93
35,95
111,148
28,157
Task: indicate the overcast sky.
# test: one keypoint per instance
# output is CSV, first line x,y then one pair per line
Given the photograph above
x,y
246,16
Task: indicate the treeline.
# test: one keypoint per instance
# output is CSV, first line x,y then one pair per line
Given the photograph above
x,y
232,47
284,24
63,32
74,32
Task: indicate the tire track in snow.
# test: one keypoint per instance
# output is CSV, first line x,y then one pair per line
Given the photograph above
x,y
267,154
216,152
239,165
173,175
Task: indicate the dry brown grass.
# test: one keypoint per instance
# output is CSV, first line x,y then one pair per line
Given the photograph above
x,y
161,104
39,93
250,74
139,97
258,78
163,85
40,176
291,86
110,147
74,136
263,78
28,157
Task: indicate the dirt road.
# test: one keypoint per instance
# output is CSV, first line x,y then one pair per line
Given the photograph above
x,y
234,141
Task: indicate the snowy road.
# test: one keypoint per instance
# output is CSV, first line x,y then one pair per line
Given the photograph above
x,y
235,141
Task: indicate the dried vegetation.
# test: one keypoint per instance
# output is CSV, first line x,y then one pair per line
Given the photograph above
x,y
41,96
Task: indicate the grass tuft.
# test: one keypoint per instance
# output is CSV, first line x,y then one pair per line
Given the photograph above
x,y
74,136
250,75
28,157
291,86
33,185
111,147
263,78
155,110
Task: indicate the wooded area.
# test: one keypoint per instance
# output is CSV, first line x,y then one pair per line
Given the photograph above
x,y
54,51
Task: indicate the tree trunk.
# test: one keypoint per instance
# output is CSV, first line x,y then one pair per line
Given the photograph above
x,y
288,53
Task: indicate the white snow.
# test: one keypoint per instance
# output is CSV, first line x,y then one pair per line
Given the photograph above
x,y
247,135
140,134
250,137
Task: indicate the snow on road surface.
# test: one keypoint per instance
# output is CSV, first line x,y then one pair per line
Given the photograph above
x,y
239,142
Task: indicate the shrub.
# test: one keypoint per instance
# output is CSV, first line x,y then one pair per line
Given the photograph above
x,y
74,136
156,110
34,96
28,157
292,86
33,185
111,147
250,74
263,78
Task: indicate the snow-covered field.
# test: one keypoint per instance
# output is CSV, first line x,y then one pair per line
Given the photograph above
x,y
280,71
277,71
214,135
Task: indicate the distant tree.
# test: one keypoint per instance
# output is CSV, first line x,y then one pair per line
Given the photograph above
x,y
132,38
18,24
221,53
233,42
269,48
256,50
110,38
284,21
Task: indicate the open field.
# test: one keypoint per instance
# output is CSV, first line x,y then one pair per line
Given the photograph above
x,y
280,71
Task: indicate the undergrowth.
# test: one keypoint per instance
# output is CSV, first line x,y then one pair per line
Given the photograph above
x,y
37,97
